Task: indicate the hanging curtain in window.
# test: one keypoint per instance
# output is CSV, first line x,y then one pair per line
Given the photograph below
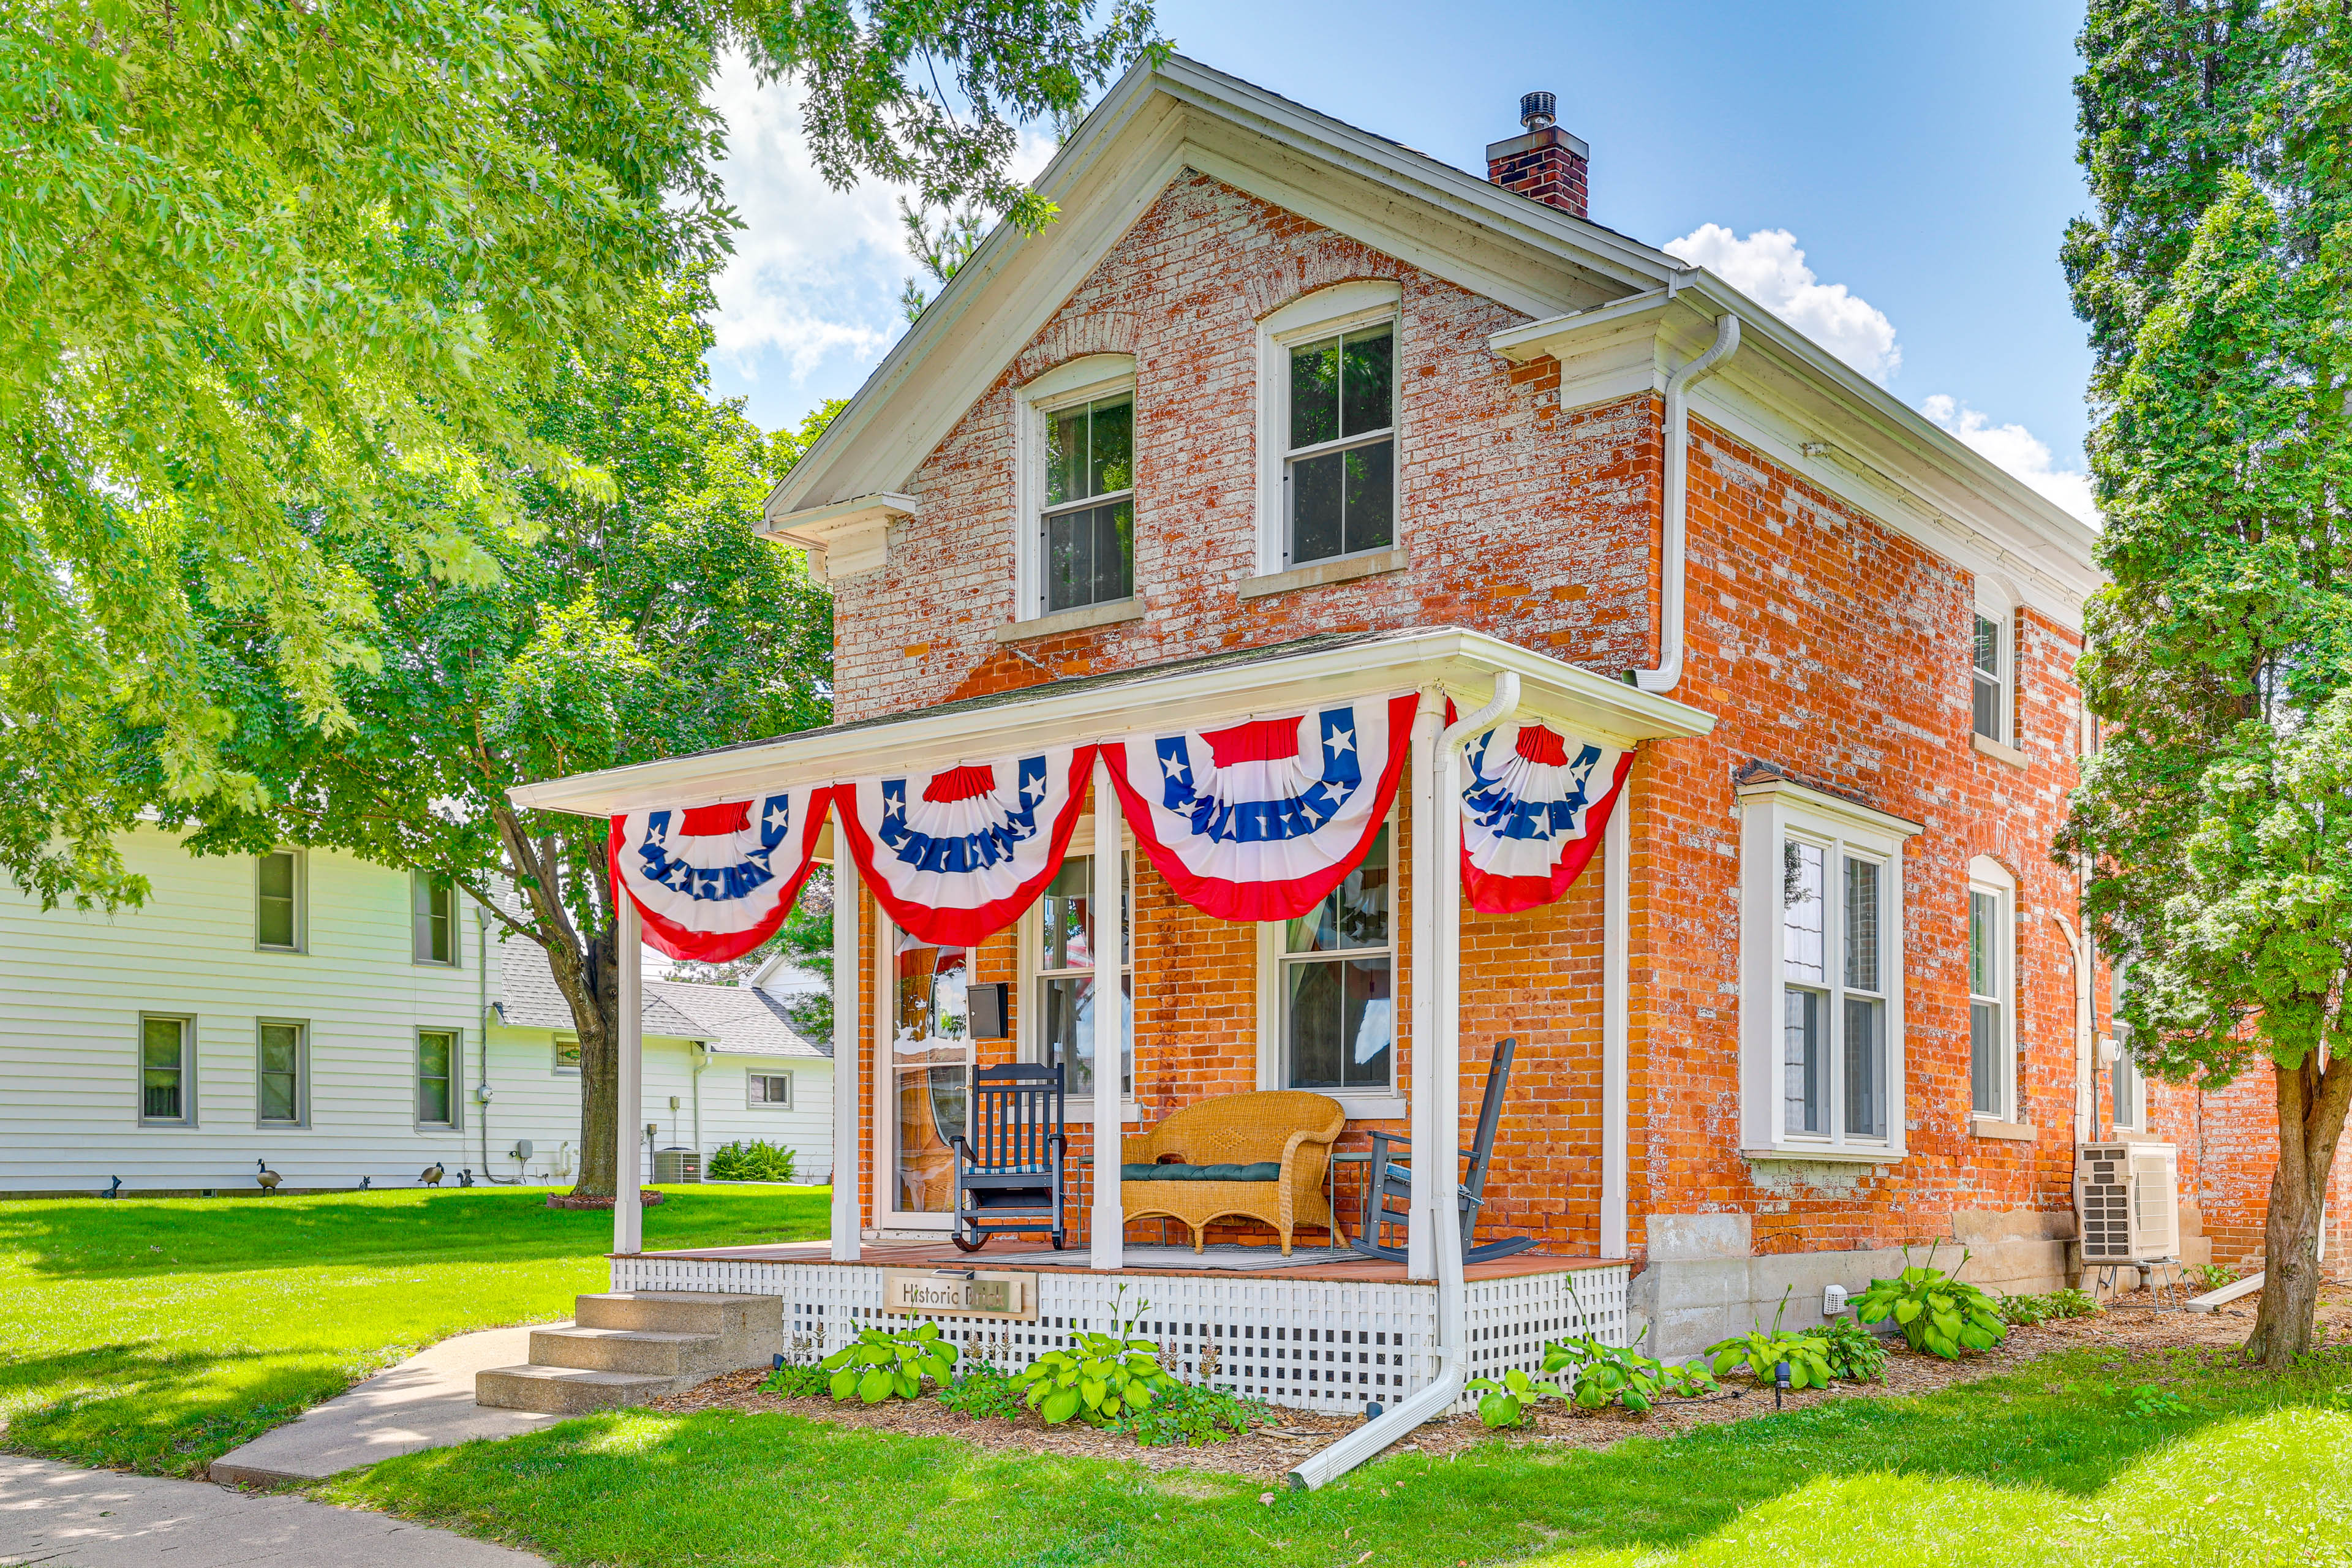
x,y
1533,805
956,856
715,881
1257,821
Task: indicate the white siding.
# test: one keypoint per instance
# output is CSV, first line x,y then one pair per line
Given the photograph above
x,y
73,986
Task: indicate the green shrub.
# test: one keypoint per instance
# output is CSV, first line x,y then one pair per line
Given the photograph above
x,y
1762,1350
1192,1416
1599,1375
1855,1354
2025,1311
887,1362
1938,1313
1105,1376
2069,1303
2213,1276
750,1160
983,1393
1511,1400
797,1380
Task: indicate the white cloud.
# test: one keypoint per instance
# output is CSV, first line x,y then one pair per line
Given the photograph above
x,y
2019,450
1768,264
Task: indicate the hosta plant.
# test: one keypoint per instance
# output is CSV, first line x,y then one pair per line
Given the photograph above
x,y
1599,1375
1762,1350
1102,1378
1938,1313
1511,1399
1856,1354
883,1362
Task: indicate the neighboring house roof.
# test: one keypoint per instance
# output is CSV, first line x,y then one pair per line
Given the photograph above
x,y
734,1018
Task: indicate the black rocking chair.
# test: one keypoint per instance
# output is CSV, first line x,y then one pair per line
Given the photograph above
x,y
1391,1179
1009,1173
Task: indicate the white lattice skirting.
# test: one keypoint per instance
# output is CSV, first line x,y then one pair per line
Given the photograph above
x,y
1310,1344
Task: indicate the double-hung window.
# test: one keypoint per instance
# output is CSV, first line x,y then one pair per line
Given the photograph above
x,y
433,901
277,901
282,1073
1063,979
1088,522
1340,469
1820,965
2126,1088
1992,1022
1334,986
1989,680
167,1070
438,1067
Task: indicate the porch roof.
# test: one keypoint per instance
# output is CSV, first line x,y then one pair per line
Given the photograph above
x,y
1189,693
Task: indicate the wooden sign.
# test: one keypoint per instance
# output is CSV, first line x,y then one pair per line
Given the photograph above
x,y
958,1293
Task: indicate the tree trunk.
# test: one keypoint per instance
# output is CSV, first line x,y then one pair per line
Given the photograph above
x,y
595,999
2311,1108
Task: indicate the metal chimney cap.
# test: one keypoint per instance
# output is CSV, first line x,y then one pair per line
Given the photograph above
x,y
1538,110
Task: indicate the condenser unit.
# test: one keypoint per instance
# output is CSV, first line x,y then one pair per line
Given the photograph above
x,y
2127,1201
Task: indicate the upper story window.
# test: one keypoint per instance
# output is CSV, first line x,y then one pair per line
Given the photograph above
x,y
433,906
1328,425
1088,521
1073,487
1820,974
1990,679
1992,1012
1062,977
277,901
1339,471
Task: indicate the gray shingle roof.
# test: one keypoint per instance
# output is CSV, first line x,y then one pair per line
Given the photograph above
x,y
729,1017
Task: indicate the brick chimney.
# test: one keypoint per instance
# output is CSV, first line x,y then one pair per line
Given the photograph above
x,y
1547,164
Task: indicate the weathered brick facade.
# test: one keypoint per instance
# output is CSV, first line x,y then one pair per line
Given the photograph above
x,y
1829,646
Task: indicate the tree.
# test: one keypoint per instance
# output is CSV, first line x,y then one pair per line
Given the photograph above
x,y
645,622
2217,813
278,280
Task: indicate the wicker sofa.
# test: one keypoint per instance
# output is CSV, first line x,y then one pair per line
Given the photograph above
x,y
1254,1156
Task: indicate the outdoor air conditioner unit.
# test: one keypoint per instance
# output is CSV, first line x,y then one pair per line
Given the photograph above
x,y
2127,1201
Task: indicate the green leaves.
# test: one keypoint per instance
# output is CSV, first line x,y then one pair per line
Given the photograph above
x,y
882,1364
1510,1401
1100,1379
1941,1314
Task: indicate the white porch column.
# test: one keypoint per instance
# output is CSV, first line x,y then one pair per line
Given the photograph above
x,y
629,1094
848,1016
1421,1243
1107,1228
1616,917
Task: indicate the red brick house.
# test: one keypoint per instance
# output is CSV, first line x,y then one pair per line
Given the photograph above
x,y
1278,399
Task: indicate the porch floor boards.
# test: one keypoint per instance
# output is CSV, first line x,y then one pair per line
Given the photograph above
x,y
931,1253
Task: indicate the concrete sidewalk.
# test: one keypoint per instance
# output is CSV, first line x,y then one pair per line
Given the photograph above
x,y
60,1517
425,1402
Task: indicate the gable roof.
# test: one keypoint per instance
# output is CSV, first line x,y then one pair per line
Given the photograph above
x,y
740,1019
1562,272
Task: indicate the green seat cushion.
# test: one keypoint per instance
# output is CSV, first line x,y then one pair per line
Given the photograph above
x,y
1263,1171
1146,1172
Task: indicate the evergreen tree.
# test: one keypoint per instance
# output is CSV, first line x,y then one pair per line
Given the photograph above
x,y
2217,813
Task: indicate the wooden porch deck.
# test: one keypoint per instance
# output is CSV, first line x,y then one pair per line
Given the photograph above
x,y
1349,1266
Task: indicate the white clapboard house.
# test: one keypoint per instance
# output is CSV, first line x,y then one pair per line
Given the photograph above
x,y
340,1020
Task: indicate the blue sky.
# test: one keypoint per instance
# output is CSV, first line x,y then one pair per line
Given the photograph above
x,y
1894,177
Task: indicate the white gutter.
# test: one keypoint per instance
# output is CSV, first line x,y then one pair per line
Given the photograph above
x,y
1436,1085
1676,500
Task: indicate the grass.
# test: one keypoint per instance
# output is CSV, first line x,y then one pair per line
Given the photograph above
x,y
157,1335
2052,1463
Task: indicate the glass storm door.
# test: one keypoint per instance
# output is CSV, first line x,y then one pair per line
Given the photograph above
x,y
930,1056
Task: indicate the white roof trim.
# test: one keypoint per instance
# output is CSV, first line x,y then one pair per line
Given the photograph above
x,y
1462,662
844,538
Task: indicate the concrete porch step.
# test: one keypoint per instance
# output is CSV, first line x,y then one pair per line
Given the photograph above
x,y
680,1312
627,1350
570,1390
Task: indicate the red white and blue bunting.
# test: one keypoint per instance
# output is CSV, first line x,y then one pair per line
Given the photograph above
x,y
1257,821
1533,805
715,881
956,856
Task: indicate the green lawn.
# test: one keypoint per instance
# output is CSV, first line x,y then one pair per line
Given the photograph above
x,y
2004,1471
157,1335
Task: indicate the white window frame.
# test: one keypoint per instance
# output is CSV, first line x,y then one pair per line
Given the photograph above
x,y
1341,308
2124,1069
754,1075
2004,624
1084,380
419,942
1771,812
1029,1012
882,1083
457,1123
187,1116
556,1064
1272,1022
1988,876
302,1118
301,912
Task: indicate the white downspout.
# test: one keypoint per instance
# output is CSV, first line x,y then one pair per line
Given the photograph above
x,y
1437,1082
1675,505
1616,937
701,1061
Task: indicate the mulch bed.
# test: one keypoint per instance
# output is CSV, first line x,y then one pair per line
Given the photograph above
x,y
2128,1327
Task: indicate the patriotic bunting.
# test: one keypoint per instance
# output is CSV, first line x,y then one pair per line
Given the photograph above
x,y
715,881
1257,821
1533,805
956,856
